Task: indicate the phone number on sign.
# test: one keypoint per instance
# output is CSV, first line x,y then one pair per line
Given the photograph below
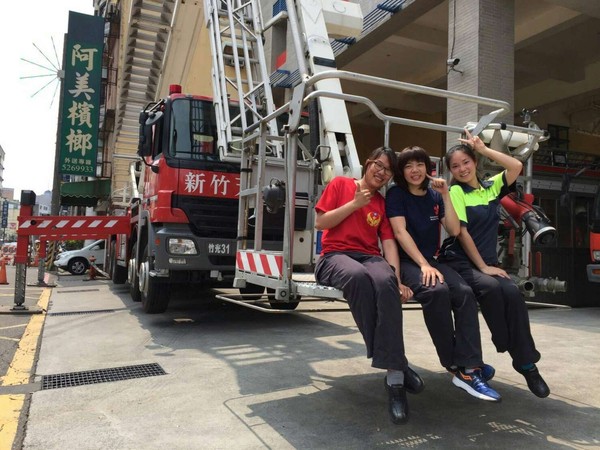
x,y
76,168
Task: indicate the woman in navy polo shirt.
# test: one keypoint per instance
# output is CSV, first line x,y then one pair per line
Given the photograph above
x,y
416,206
473,254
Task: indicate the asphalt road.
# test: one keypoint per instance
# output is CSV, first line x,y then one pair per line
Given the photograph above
x,y
13,323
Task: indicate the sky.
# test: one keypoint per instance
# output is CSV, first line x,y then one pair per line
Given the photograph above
x,y
28,122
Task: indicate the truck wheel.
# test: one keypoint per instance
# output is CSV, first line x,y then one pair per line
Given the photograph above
x,y
285,306
118,274
155,292
78,266
132,276
252,291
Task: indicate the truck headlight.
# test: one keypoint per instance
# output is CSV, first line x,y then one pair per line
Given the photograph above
x,y
596,255
181,247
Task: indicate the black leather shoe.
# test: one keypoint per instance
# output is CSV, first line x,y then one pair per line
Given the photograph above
x,y
397,403
413,382
535,382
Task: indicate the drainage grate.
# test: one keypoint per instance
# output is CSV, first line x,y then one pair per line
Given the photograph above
x,y
63,380
77,291
74,313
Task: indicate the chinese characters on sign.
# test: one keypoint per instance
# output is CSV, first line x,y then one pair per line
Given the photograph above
x,y
219,249
81,95
210,184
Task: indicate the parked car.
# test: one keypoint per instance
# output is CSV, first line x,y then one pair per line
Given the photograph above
x,y
78,261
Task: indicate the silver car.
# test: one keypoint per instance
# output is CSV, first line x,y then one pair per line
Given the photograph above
x,y
78,261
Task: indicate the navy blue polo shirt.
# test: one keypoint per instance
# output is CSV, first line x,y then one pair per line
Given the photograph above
x,y
477,210
422,214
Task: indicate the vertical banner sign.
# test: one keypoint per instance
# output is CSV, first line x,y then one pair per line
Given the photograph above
x,y
81,95
4,223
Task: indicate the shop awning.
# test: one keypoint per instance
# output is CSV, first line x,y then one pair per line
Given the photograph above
x,y
84,193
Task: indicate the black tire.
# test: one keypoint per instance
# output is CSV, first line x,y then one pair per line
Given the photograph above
x,y
118,274
133,276
78,266
284,306
155,292
252,291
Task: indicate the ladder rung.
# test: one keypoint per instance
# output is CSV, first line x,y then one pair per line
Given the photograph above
x,y
230,58
256,89
248,192
249,37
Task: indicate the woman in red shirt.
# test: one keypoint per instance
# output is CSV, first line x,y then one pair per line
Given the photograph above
x,y
351,214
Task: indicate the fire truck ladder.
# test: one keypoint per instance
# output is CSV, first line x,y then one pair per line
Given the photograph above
x,y
319,83
236,45
251,137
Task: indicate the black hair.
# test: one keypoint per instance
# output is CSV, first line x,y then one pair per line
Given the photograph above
x,y
379,151
460,148
407,155
467,149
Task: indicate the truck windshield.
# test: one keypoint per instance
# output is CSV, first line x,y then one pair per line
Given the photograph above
x,y
193,130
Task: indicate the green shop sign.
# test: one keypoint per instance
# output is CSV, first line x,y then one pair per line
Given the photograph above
x,y
81,95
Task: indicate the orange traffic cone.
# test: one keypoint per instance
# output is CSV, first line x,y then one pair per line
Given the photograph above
x,y
3,272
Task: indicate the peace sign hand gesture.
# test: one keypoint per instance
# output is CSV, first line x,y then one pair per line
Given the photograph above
x,y
438,184
474,141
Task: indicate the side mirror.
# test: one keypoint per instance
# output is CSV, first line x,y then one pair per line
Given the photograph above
x,y
145,136
153,118
146,121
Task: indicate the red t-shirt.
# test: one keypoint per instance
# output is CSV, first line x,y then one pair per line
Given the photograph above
x,y
361,230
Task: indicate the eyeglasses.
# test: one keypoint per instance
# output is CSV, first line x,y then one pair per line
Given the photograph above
x,y
379,166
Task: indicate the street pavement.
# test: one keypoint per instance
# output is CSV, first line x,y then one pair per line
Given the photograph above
x,y
12,324
238,378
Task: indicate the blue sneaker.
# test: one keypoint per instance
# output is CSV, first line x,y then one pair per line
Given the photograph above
x,y
474,384
487,372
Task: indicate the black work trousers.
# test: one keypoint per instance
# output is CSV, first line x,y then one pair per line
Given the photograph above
x,y
450,313
504,311
371,289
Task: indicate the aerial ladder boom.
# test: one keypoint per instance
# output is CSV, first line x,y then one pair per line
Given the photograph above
x,y
279,171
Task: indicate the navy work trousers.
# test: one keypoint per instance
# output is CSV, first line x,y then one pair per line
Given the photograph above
x,y
450,313
371,289
504,311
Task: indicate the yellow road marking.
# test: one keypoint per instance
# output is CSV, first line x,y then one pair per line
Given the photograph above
x,y
20,369
10,409
19,372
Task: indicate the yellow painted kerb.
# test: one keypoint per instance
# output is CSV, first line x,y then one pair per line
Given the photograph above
x,y
19,372
10,409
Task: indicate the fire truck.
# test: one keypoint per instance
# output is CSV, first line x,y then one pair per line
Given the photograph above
x,y
183,205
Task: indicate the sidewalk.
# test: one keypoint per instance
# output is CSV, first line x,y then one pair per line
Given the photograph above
x,y
237,378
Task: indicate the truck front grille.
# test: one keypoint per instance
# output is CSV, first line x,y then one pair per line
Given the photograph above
x,y
210,217
217,218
